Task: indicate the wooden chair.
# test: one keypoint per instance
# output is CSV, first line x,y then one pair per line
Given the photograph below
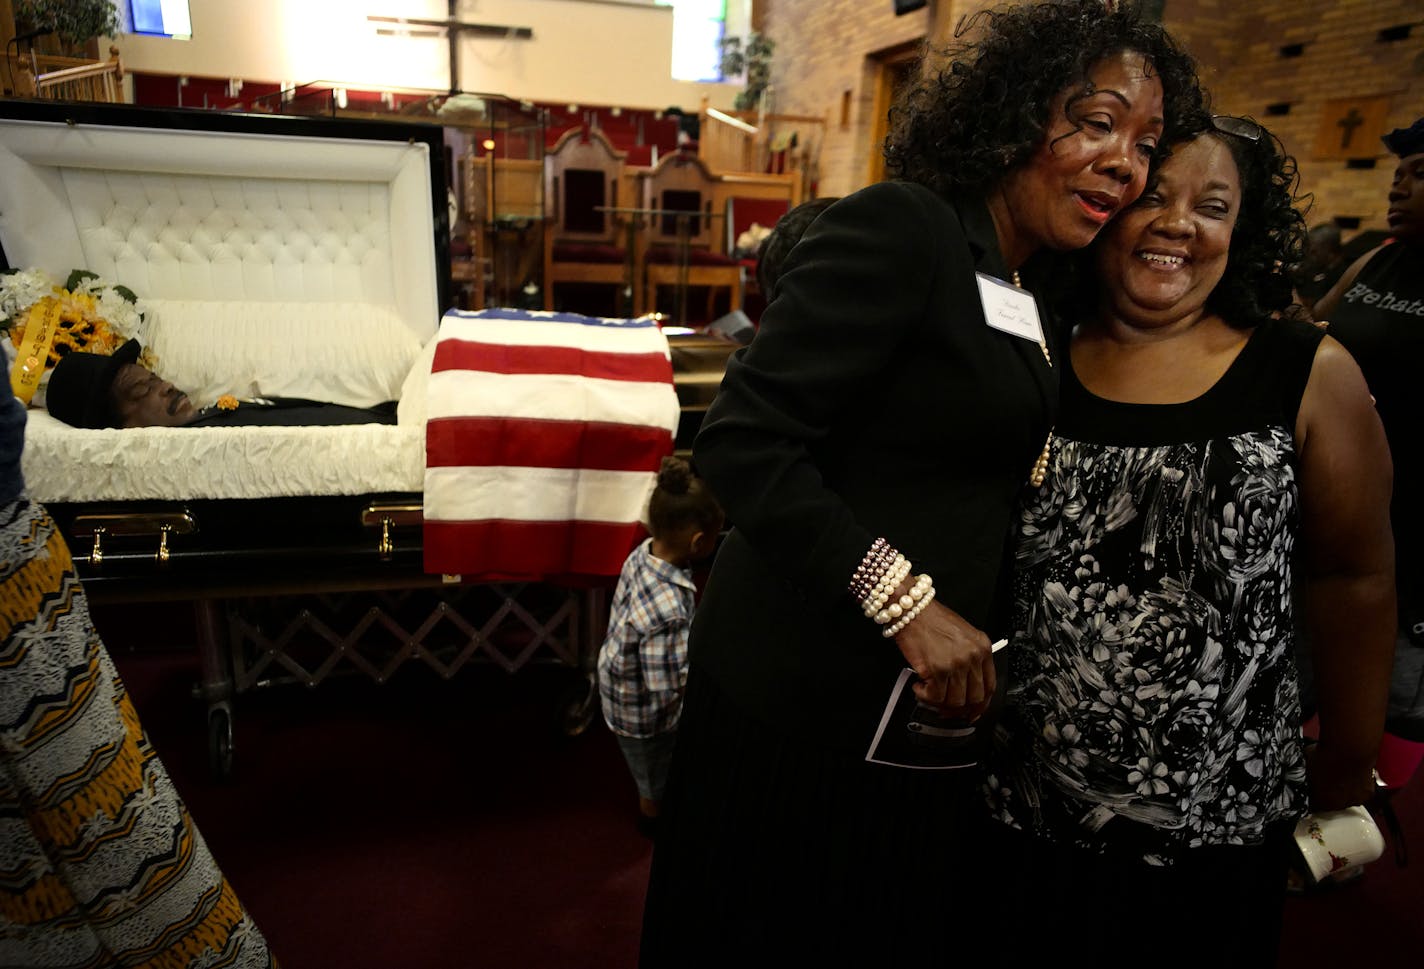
x,y
583,243
683,247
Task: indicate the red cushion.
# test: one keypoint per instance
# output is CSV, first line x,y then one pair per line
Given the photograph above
x,y
586,252
695,257
662,133
763,212
639,156
554,132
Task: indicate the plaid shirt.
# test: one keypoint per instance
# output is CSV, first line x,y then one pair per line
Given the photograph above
x,y
643,663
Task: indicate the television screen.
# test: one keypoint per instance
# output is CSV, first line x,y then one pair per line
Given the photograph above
x,y
164,18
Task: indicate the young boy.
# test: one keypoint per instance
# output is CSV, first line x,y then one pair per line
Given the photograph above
x,y
643,663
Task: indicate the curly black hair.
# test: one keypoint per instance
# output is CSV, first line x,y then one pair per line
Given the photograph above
x,y
783,238
681,500
1269,239
986,110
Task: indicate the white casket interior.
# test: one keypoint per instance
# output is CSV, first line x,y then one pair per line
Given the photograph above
x,y
276,257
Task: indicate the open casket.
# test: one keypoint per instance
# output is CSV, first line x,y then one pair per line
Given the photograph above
x,y
277,256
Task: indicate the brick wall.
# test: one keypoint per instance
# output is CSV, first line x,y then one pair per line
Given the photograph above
x,y
1238,45
827,47
822,51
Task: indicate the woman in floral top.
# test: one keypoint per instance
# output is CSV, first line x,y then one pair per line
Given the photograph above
x,y
1207,450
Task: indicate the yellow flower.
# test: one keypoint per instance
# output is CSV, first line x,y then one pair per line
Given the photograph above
x,y
80,326
227,402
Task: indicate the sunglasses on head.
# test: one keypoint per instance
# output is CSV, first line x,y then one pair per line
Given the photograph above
x,y
1240,127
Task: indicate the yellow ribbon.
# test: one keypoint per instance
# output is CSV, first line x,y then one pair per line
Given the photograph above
x,y
34,348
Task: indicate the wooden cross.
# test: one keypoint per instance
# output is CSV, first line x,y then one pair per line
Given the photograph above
x,y
1352,120
453,29
1350,127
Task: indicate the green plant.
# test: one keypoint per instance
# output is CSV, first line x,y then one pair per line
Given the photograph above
x,y
752,57
76,22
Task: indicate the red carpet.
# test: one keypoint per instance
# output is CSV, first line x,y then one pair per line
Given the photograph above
x,y
420,825
443,825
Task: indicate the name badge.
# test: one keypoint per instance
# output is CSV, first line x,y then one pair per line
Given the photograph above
x,y
1008,308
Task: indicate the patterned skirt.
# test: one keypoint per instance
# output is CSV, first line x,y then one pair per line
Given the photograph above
x,y
100,864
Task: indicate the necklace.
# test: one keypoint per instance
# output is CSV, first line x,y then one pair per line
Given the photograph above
x,y
1043,338
1039,472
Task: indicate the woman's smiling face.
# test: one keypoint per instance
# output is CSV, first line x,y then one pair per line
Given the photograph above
x,y
1161,259
1092,162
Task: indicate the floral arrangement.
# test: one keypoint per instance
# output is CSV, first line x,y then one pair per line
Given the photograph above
x,y
88,313
749,242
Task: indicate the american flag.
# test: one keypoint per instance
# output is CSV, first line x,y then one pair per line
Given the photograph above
x,y
543,438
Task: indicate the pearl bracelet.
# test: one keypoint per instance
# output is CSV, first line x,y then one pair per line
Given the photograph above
x,y
906,602
891,630
878,585
872,566
886,587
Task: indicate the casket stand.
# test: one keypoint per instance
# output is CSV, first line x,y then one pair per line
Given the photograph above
x,y
279,256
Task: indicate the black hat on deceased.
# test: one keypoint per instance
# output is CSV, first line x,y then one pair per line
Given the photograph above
x,y
1403,142
78,391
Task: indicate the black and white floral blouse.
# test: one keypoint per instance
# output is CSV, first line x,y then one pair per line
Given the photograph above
x,y
1153,704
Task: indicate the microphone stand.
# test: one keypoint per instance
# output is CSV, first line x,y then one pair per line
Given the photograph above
x,y
29,37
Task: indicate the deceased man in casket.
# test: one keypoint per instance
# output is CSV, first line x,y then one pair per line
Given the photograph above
x,y
96,391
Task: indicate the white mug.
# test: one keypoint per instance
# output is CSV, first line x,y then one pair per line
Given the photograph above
x,y
1333,840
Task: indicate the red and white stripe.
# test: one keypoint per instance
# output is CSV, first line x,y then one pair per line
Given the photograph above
x,y
543,438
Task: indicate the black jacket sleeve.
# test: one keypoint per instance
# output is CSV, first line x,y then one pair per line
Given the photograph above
x,y
852,297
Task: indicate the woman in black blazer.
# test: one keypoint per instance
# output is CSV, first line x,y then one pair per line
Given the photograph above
x,y
884,413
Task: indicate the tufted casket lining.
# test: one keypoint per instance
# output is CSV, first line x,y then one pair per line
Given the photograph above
x,y
271,264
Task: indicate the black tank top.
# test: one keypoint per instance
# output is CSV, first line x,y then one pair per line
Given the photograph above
x,y
1153,705
1380,320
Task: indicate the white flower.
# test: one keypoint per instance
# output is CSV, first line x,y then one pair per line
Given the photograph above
x,y
125,318
23,289
19,291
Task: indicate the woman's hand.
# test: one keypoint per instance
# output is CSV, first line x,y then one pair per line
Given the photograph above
x,y
1337,782
952,659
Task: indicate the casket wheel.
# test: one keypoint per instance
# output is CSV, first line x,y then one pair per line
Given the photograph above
x,y
220,744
